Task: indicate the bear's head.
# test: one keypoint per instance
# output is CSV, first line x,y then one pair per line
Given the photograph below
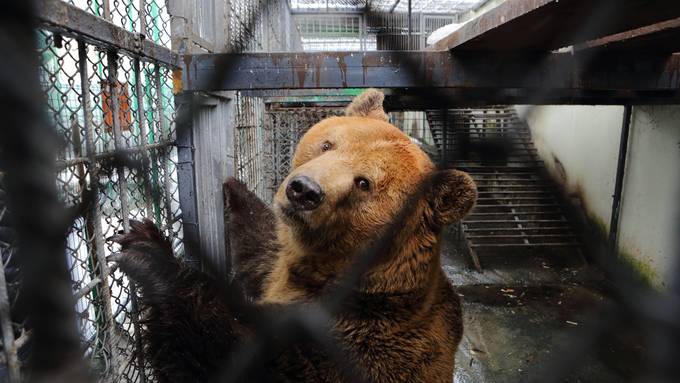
x,y
352,175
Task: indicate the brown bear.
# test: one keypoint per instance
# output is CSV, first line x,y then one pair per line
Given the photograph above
x,y
360,193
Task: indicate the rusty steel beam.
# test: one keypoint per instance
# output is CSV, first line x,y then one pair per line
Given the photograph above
x,y
529,78
544,25
61,17
656,38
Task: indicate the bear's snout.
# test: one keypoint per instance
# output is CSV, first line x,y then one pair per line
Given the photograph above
x,y
304,193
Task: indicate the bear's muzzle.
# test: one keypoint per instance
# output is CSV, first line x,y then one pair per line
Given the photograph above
x,y
304,193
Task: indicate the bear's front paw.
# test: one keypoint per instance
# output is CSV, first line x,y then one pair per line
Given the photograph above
x,y
146,257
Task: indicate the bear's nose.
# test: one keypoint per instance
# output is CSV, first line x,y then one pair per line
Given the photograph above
x,y
304,193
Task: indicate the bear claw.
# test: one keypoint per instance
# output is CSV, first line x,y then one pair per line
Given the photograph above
x,y
117,257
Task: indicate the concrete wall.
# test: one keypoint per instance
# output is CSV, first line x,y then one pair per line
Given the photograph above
x,y
580,144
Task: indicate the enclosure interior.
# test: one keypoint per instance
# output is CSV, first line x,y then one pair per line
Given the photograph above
x,y
107,94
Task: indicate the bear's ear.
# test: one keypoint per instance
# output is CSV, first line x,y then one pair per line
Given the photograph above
x,y
368,104
452,196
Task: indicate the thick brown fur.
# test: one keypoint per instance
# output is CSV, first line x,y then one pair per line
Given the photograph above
x,y
401,323
252,240
188,325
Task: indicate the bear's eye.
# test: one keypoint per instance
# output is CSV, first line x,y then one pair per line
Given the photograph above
x,y
326,146
362,183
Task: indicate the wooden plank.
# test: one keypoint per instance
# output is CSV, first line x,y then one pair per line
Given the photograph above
x,y
660,37
544,25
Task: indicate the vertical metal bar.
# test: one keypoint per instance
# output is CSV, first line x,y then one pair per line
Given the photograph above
x,y
164,157
618,186
410,27
107,9
93,217
95,212
114,97
264,18
10,347
422,35
362,31
143,132
142,17
286,29
141,118
186,183
228,44
118,144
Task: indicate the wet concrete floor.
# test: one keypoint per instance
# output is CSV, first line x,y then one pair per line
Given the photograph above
x,y
522,317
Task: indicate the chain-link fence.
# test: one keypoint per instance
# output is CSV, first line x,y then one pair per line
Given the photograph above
x,y
258,25
147,17
249,144
104,102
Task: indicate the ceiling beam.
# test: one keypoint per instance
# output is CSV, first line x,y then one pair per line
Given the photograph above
x,y
532,77
661,37
545,25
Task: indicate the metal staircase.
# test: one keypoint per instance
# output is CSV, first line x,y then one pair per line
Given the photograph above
x,y
439,120
518,211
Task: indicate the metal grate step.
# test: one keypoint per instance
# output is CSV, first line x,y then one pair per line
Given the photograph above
x,y
517,208
526,245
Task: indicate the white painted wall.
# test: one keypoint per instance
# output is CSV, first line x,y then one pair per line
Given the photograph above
x,y
651,199
580,144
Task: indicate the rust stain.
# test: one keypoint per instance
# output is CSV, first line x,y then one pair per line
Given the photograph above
x,y
298,66
317,74
367,62
275,60
343,70
177,85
